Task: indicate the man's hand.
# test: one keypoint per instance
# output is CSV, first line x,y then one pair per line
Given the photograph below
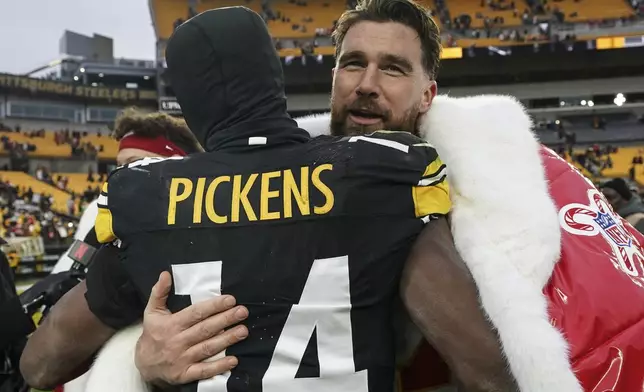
x,y
173,347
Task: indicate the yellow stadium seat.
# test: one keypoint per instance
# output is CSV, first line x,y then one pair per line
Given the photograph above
x,y
589,10
78,182
47,147
25,180
473,7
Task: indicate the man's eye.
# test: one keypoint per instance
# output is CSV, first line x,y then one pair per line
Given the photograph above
x,y
393,68
352,64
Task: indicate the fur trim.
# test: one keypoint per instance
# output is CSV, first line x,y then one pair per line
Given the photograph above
x,y
114,368
315,124
506,228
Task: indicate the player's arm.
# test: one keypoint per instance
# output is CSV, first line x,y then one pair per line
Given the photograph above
x,y
439,292
80,323
62,348
442,300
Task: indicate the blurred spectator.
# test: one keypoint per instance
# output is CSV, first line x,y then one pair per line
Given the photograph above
x,y
620,196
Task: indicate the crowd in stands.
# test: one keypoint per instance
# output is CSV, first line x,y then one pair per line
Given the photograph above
x,y
638,6
77,200
508,21
25,213
84,150
78,147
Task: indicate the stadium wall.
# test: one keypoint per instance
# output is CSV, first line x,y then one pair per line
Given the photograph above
x,y
578,88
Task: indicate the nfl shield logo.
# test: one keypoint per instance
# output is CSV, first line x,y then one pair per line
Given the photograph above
x,y
612,230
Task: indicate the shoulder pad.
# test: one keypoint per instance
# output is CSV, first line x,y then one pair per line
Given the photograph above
x,y
148,161
399,140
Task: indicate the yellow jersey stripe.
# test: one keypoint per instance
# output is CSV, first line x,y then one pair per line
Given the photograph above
x,y
430,200
103,226
433,168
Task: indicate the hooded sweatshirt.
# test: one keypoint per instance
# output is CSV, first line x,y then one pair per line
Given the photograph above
x,y
228,79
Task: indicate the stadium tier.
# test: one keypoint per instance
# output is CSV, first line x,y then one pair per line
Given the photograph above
x,y
479,10
293,20
78,182
25,181
47,145
592,10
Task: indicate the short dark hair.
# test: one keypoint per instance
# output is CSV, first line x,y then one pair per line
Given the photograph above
x,y
620,186
406,12
156,124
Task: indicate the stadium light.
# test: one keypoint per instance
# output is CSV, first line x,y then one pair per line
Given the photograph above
x,y
619,99
82,70
76,78
100,75
557,122
94,84
591,103
146,77
583,102
562,103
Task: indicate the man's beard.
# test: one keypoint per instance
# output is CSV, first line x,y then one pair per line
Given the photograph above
x,y
341,125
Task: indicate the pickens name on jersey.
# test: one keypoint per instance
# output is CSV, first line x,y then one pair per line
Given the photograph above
x,y
282,194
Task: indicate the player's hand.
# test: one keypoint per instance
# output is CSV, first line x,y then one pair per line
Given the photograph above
x,y
173,347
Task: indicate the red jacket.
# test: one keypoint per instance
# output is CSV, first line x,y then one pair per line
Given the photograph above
x,y
595,294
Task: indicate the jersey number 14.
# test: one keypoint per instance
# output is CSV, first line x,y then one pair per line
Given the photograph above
x,y
324,307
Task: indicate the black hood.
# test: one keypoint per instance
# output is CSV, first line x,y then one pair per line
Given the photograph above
x,y
228,79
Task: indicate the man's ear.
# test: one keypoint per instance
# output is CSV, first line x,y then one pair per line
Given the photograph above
x,y
428,96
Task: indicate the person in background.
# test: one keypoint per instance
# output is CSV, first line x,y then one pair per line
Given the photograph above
x,y
624,202
140,135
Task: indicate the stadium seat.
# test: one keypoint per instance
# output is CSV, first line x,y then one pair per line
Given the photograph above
x,y
110,146
590,10
166,12
204,5
47,147
25,180
322,13
478,13
78,182
622,162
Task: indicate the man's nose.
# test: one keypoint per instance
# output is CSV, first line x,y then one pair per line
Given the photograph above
x,y
369,84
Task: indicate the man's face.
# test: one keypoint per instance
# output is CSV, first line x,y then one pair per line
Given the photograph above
x,y
129,155
379,81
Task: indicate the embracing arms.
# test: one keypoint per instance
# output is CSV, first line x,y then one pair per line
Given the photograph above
x,y
442,300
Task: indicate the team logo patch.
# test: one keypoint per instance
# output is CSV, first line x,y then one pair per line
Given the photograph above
x,y
598,218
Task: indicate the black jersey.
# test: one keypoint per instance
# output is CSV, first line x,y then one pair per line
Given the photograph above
x,y
311,238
